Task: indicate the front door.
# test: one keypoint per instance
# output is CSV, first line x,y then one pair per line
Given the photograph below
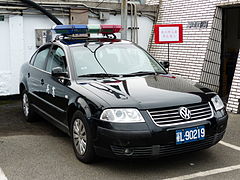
x,y
57,92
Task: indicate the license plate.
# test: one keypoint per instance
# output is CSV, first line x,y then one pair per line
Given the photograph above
x,y
190,134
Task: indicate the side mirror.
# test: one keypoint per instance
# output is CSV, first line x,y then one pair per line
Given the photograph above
x,y
58,72
165,64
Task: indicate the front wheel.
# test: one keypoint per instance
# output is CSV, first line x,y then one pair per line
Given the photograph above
x,y
82,138
28,113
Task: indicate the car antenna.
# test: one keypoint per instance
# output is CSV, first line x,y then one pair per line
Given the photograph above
x,y
95,56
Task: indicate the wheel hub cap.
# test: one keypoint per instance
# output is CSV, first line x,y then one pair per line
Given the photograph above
x,y
79,136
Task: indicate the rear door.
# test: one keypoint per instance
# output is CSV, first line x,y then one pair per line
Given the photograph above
x,y
36,84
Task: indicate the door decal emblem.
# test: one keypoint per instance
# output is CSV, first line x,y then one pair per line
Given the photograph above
x,y
48,90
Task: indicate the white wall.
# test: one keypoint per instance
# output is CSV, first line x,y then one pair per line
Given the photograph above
x,y
144,32
18,43
16,47
31,23
5,65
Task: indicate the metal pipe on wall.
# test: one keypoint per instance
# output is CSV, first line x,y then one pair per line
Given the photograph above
x,y
29,13
131,15
134,22
44,11
124,19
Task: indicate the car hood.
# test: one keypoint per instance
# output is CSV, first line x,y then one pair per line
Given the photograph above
x,y
152,91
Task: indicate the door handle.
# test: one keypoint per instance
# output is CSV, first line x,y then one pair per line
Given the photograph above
x,y
42,82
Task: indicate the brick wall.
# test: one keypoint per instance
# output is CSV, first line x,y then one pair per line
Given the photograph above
x,y
152,2
210,75
234,97
198,57
187,58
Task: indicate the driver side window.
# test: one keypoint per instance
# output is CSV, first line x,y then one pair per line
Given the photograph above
x,y
40,58
56,58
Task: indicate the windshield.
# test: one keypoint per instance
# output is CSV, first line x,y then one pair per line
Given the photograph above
x,y
115,59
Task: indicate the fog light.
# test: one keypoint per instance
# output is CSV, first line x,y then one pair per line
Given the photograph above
x,y
128,152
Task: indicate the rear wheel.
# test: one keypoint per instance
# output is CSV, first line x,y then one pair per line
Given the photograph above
x,y
28,113
82,138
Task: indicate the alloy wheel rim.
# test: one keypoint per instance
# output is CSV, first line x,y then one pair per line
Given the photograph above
x,y
79,136
25,105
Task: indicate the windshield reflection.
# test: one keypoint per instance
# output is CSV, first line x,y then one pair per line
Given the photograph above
x,y
113,58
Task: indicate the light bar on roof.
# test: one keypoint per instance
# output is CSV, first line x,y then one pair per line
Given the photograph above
x,y
63,29
86,29
109,29
80,29
71,29
94,28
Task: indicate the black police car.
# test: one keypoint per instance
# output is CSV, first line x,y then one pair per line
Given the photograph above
x,y
115,100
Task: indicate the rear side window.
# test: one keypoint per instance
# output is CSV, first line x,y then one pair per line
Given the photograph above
x,y
40,58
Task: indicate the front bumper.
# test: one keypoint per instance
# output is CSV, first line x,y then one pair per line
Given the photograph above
x,y
152,141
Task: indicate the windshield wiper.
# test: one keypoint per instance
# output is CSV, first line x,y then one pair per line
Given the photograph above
x,y
99,75
142,73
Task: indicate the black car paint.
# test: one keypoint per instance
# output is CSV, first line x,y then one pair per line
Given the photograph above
x,y
148,92
93,95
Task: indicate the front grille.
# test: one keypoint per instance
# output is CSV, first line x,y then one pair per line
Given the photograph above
x,y
170,116
167,150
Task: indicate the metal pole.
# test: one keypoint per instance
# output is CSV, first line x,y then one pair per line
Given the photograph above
x,y
136,24
168,55
131,8
124,19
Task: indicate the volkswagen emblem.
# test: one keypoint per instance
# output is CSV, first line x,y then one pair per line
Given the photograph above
x,y
185,113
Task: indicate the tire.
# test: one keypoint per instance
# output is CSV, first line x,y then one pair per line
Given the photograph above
x,y
28,113
82,140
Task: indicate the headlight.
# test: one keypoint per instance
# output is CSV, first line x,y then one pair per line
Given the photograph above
x,y
122,116
217,102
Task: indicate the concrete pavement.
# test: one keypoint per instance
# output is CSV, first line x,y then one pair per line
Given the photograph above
x,y
40,151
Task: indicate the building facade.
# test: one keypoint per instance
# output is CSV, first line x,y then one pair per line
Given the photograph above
x,y
209,53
